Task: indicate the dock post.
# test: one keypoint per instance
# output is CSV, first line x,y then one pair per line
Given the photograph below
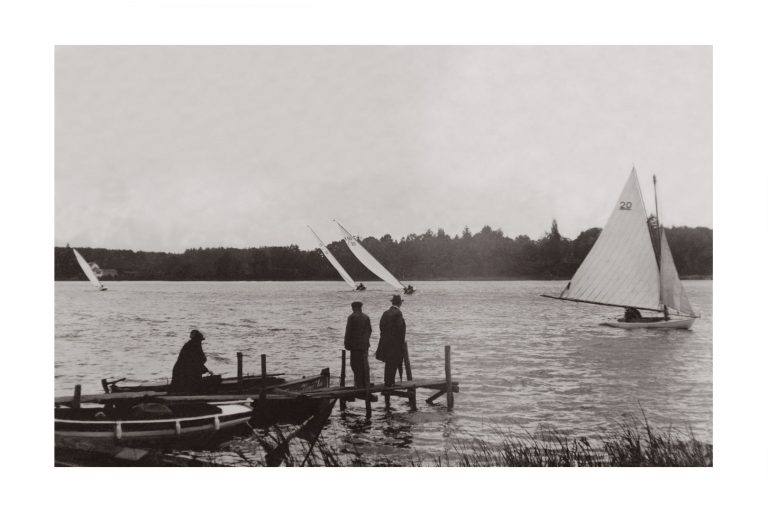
x,y
448,380
240,371
263,392
343,378
409,376
76,397
367,379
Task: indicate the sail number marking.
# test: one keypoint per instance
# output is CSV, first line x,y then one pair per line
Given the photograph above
x,y
625,205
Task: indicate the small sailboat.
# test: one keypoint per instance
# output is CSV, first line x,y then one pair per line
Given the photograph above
x,y
343,273
372,263
622,269
92,271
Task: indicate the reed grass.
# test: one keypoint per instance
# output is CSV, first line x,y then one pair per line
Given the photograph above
x,y
633,443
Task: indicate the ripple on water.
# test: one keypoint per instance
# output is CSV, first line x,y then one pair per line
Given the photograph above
x,y
522,362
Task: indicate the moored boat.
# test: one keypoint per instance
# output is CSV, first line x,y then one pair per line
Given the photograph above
x,y
124,428
278,401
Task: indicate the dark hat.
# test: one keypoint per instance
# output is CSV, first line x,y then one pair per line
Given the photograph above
x,y
396,300
196,335
357,304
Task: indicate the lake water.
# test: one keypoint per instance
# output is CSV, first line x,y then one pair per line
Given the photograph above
x,y
522,361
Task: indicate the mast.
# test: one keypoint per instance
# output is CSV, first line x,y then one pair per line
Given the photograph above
x,y
658,237
658,220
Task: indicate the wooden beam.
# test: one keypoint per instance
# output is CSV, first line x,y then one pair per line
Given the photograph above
x,y
263,393
409,376
435,396
240,371
367,382
76,397
343,379
448,382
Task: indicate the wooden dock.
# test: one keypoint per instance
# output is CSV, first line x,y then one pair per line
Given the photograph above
x,y
369,393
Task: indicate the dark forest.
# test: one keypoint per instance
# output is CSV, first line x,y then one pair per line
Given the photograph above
x,y
488,254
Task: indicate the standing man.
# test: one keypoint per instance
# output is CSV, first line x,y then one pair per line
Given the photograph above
x,y
356,340
190,366
391,348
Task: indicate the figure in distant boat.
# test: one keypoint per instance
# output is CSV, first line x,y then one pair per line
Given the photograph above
x,y
632,315
391,349
360,287
190,365
408,290
357,340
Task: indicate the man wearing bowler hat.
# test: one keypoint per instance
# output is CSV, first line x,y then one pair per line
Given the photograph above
x,y
190,366
391,347
356,340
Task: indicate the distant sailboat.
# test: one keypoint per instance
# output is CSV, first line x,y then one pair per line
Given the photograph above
x,y
371,263
343,273
622,269
90,271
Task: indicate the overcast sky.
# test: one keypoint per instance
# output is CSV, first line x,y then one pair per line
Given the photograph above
x,y
168,148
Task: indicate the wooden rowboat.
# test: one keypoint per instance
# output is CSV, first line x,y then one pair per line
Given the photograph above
x,y
127,428
282,402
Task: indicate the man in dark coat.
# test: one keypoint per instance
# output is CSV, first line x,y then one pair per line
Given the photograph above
x,y
190,366
391,348
356,340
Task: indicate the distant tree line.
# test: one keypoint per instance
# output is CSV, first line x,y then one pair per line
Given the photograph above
x,y
488,254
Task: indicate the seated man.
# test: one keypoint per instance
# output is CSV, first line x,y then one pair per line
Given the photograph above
x,y
190,366
632,315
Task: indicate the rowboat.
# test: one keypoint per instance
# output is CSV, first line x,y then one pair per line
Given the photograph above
x,y
213,384
128,428
278,401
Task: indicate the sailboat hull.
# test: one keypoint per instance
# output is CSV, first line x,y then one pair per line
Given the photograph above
x,y
673,323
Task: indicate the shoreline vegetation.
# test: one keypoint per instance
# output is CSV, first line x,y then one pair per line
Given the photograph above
x,y
633,443
431,256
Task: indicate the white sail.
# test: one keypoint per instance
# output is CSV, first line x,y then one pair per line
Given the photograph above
x,y
88,270
672,292
621,267
343,273
369,261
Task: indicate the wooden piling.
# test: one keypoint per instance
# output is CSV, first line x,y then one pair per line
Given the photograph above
x,y
367,380
263,392
76,397
240,371
448,381
343,378
409,376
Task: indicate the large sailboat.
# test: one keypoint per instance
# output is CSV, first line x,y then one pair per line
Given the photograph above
x,y
624,269
371,263
92,271
343,273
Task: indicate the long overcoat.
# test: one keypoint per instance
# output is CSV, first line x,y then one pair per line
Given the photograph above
x,y
189,368
391,347
358,333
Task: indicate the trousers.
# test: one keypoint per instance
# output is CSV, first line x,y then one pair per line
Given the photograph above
x,y
358,360
390,369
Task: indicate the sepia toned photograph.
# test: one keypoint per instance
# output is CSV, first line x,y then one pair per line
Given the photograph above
x,y
367,256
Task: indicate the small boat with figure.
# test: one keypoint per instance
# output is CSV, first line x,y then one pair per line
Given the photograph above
x,y
630,266
343,273
91,271
371,263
